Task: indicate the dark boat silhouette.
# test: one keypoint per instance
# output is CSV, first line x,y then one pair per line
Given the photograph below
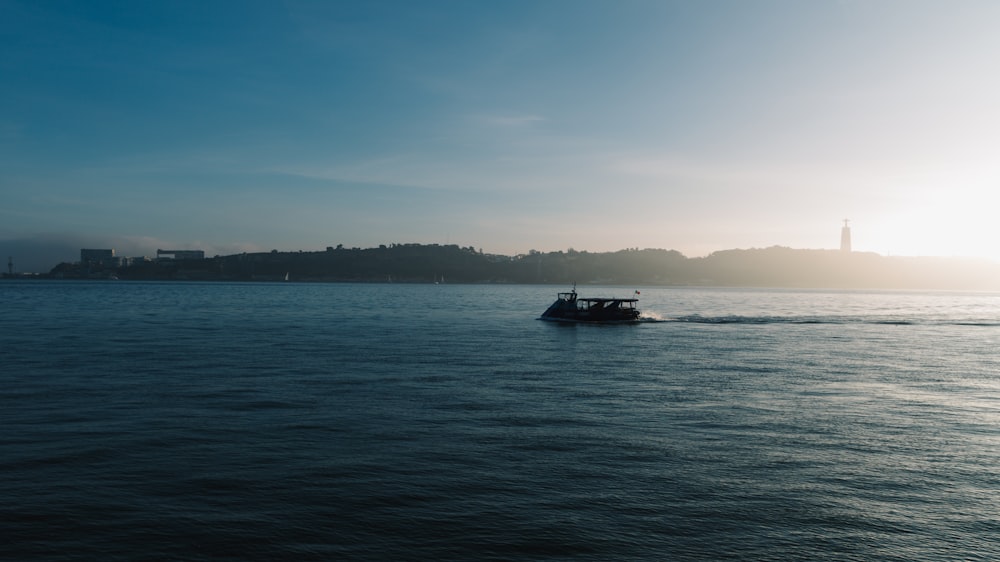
x,y
571,308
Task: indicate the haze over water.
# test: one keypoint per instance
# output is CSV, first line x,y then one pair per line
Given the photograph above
x,y
339,421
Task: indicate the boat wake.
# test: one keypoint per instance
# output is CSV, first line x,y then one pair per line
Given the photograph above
x,y
698,319
652,317
888,321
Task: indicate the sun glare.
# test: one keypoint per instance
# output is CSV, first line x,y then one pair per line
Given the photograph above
x,y
941,226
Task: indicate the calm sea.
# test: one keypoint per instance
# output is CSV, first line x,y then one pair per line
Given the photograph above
x,y
430,422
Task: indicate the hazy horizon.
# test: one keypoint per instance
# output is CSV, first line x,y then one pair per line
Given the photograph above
x,y
40,255
546,125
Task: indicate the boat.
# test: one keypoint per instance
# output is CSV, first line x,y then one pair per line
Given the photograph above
x,y
597,310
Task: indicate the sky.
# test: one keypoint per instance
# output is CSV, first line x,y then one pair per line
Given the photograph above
x,y
697,126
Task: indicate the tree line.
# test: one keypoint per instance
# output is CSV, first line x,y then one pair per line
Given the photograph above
x,y
432,263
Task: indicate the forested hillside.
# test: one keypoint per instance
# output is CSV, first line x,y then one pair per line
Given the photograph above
x,y
428,263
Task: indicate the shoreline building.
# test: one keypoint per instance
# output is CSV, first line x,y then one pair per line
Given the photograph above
x,y
180,255
845,237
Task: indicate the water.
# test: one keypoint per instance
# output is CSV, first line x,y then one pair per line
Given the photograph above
x,y
334,421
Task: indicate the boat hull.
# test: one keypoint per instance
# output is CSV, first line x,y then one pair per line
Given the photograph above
x,y
588,321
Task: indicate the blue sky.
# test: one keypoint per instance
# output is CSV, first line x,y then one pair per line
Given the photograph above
x,y
507,126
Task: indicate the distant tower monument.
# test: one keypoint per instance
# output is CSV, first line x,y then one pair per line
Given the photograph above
x,y
845,237
10,265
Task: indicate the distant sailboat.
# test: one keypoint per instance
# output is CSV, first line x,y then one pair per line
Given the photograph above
x,y
286,276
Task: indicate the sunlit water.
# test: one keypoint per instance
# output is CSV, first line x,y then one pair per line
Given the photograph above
x,y
334,421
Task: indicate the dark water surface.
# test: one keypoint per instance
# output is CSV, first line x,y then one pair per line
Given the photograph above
x,y
333,421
